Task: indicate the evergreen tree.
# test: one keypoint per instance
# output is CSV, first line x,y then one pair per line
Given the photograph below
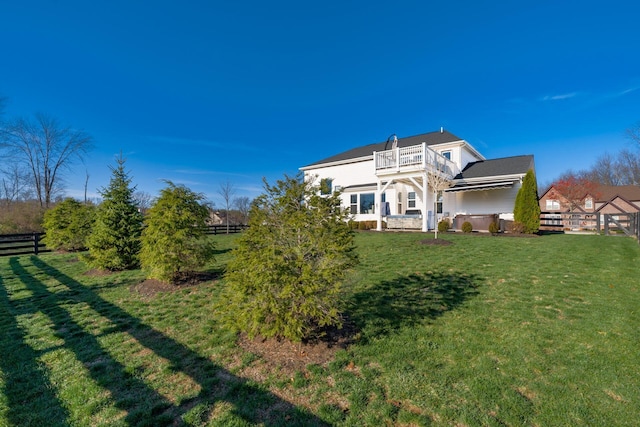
x,y
527,207
115,241
285,277
174,241
68,225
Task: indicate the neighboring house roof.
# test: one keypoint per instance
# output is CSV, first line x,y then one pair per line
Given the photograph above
x,y
515,165
609,192
606,193
431,138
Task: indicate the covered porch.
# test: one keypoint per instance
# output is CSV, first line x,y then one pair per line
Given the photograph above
x,y
412,166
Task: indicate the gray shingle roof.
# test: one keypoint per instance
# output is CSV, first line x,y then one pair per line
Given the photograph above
x,y
497,167
431,138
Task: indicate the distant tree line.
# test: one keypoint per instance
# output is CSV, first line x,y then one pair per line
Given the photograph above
x,y
622,168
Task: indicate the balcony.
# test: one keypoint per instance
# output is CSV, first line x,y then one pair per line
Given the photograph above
x,y
416,158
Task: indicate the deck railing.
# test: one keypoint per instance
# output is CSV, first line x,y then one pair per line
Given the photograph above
x,y
415,157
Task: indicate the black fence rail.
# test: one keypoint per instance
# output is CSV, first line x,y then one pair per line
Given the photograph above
x,y
222,228
22,244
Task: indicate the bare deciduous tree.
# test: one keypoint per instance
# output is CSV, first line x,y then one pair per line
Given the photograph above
x,y
438,181
227,191
45,149
243,204
633,133
12,184
143,200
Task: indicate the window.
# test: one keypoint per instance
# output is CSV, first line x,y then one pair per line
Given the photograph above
x,y
411,199
588,203
399,203
447,154
354,204
326,185
553,205
367,201
439,203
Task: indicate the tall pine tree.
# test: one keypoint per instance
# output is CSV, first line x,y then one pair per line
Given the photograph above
x,y
527,207
115,241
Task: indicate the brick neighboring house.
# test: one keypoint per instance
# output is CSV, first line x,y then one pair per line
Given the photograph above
x,y
606,199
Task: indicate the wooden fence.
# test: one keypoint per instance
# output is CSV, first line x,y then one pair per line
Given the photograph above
x,y
222,228
22,244
608,224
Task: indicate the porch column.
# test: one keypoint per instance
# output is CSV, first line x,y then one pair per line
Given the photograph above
x,y
379,205
425,204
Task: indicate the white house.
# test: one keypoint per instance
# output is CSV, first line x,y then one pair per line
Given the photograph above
x,y
394,180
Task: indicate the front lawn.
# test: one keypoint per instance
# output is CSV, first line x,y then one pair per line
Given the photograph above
x,y
485,331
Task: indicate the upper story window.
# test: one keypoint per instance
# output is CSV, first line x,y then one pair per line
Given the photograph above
x,y
588,203
447,154
553,205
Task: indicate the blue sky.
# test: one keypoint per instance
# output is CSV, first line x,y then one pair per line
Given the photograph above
x,y
205,92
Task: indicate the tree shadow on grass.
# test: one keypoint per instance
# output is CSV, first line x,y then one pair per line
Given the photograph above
x,y
409,300
128,390
29,397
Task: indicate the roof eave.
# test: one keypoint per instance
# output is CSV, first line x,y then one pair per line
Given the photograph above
x,y
337,163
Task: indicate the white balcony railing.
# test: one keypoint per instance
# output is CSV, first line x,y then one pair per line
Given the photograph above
x,y
413,158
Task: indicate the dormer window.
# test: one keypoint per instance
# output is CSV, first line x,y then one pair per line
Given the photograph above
x,y
588,203
446,154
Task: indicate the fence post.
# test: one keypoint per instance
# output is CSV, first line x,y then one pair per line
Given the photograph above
x,y
36,243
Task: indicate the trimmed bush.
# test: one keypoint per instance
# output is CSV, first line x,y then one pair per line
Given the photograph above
x,y
444,226
494,228
467,227
527,208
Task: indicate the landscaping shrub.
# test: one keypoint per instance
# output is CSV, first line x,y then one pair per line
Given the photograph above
x,y
467,227
444,226
527,208
174,241
517,227
285,277
494,228
68,225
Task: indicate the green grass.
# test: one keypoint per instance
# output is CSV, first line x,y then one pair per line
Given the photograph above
x,y
488,331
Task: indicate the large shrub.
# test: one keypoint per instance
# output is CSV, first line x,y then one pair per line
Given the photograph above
x,y
115,241
174,241
285,277
527,208
68,225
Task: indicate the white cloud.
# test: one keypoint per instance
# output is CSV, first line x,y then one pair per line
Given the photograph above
x,y
559,97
